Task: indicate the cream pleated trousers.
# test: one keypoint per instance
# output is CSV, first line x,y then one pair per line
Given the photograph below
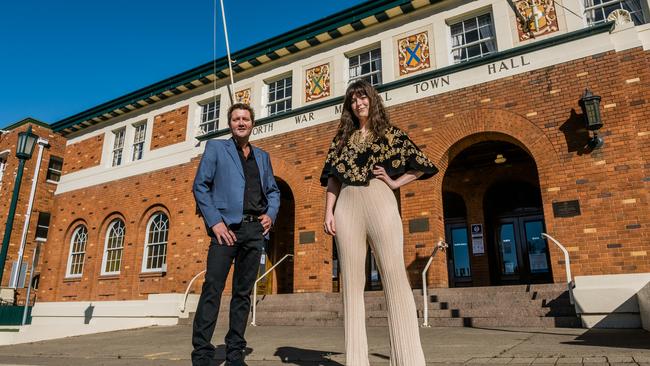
x,y
369,214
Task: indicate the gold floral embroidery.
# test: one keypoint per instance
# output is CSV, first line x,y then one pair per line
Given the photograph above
x,y
362,152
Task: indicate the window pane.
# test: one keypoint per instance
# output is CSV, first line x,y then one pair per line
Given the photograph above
x,y
78,250
469,24
43,225
157,241
471,36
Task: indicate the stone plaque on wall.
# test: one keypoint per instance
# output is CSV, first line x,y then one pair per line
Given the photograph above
x,y
566,208
535,18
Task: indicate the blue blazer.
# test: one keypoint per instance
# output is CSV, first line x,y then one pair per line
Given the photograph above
x,y
219,184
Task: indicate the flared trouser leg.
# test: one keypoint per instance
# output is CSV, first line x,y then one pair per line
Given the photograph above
x,y
352,247
385,234
370,214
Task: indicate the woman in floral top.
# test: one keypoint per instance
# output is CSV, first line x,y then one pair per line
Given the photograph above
x,y
367,159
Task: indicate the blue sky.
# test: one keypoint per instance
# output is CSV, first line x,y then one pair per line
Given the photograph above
x,y
58,58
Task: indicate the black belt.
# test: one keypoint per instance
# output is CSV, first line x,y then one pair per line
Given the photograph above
x,y
249,218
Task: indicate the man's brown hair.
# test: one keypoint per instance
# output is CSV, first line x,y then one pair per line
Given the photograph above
x,y
243,106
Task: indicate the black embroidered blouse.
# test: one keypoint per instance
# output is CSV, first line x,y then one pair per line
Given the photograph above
x,y
396,153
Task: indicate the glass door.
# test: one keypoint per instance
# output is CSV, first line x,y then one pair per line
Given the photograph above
x,y
509,251
522,251
536,249
459,256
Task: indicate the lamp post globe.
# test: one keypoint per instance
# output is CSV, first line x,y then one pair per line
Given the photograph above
x,y
590,105
26,142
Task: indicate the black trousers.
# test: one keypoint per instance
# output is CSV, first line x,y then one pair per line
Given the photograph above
x,y
246,253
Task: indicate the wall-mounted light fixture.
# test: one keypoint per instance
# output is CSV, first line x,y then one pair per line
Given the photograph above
x,y
500,159
590,105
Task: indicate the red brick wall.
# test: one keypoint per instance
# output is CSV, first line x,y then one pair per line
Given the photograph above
x,y
83,154
43,197
538,111
169,128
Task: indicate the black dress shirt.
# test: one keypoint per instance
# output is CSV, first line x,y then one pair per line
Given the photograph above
x,y
254,200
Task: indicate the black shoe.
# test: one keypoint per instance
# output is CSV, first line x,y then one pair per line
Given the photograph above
x,y
239,362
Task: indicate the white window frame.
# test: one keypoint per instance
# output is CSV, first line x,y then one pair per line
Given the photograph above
x,y
77,235
3,164
116,234
118,146
378,72
139,138
205,111
38,226
601,6
288,97
462,20
50,169
148,243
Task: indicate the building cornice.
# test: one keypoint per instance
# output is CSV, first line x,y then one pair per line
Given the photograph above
x,y
492,58
26,121
312,34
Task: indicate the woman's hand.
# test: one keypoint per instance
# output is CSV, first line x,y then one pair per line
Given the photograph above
x,y
393,184
333,189
330,224
380,173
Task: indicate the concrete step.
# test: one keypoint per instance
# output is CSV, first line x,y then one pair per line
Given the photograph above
x,y
521,306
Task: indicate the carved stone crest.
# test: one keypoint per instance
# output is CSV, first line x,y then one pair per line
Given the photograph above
x,y
535,18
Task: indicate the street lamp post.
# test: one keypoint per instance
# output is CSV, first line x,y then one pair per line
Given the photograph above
x,y
24,150
13,282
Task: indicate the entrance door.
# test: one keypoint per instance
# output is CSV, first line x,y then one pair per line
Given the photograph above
x,y
522,252
460,273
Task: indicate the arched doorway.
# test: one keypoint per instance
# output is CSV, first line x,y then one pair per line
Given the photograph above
x,y
281,242
493,216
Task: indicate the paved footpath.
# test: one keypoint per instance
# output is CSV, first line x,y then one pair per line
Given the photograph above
x,y
313,346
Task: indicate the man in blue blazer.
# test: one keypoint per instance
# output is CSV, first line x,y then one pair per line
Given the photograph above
x,y
239,200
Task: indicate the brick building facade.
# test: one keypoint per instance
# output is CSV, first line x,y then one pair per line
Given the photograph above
x,y
42,209
506,131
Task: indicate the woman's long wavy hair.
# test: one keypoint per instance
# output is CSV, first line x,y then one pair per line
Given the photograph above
x,y
378,120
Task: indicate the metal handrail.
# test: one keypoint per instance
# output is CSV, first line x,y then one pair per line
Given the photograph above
x,y
181,307
441,245
254,307
567,265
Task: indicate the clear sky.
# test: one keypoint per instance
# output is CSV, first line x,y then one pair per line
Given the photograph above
x,y
61,57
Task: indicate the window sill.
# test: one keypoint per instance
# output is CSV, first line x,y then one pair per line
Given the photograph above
x,y
152,274
51,181
112,276
72,279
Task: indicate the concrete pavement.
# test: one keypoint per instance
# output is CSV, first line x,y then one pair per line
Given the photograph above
x,y
311,346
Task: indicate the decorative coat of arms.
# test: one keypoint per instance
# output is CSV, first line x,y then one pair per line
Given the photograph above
x,y
243,96
413,53
535,18
317,82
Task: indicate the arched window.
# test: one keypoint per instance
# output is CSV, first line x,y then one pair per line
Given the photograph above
x,y
155,249
113,247
77,251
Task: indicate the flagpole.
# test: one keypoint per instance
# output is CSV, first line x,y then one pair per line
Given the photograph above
x,y
230,61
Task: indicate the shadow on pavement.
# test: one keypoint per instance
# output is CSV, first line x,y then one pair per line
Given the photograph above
x,y
620,338
306,357
220,354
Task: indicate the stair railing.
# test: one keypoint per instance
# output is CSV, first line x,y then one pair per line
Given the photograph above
x,y
441,245
567,266
181,307
254,307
